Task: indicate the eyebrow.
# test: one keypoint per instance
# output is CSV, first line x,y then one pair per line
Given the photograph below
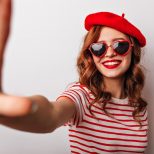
x,y
115,39
120,38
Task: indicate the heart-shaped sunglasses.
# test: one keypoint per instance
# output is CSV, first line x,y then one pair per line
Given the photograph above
x,y
121,47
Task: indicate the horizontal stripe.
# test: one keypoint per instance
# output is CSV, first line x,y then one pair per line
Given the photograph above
x,y
105,144
101,149
95,130
82,150
113,127
116,121
99,133
74,152
107,134
107,138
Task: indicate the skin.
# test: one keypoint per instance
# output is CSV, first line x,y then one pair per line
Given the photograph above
x,y
113,78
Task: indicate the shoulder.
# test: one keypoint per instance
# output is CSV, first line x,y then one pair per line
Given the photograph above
x,y
79,87
78,93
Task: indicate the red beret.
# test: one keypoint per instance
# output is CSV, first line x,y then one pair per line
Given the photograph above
x,y
117,22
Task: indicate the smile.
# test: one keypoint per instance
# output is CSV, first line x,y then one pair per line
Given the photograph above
x,y
111,64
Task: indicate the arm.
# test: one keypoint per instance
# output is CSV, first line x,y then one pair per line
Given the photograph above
x,y
5,19
35,113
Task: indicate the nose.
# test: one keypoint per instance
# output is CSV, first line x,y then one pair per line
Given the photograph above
x,y
110,52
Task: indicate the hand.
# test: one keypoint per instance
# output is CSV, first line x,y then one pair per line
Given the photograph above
x,y
14,106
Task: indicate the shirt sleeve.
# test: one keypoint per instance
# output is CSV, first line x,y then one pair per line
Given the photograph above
x,y
75,93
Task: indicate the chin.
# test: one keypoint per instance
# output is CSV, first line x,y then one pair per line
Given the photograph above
x,y
114,75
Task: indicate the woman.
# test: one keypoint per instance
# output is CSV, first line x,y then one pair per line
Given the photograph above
x,y
105,110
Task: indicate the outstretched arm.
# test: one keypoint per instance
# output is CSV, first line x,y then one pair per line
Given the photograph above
x,y
34,113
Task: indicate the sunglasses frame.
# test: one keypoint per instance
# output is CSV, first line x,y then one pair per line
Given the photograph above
x,y
111,45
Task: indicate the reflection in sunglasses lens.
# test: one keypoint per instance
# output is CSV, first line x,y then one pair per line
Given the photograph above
x,y
98,49
121,47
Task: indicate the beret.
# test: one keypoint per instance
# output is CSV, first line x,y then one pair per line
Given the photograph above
x,y
115,21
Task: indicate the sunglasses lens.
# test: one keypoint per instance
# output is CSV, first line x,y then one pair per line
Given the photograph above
x,y
121,47
98,49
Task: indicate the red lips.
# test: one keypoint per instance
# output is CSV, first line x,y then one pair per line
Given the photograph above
x,y
113,60
111,64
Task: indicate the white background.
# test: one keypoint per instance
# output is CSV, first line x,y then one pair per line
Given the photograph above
x,y
41,57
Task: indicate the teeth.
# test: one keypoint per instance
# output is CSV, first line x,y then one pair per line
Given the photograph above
x,y
111,63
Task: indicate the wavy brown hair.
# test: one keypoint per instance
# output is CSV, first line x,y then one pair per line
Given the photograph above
x,y
90,76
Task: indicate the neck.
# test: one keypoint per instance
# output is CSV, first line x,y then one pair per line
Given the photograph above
x,y
114,86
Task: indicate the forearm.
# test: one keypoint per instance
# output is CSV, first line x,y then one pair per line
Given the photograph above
x,y
35,115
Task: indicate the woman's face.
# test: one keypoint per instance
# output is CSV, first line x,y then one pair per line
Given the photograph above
x,y
119,64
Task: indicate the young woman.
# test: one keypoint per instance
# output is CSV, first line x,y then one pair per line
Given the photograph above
x,y
104,109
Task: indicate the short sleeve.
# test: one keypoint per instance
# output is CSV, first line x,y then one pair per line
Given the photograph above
x,y
77,95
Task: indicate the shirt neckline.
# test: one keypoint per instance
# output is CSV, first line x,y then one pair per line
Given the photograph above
x,y
120,100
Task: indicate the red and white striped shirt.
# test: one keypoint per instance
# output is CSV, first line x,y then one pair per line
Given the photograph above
x,y
101,134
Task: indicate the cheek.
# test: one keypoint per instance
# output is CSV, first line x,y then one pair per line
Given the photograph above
x,y
97,60
127,61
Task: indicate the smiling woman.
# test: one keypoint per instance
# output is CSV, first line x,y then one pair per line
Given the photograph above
x,y
104,109
116,61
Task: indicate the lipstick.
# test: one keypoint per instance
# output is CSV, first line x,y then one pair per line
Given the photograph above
x,y
111,64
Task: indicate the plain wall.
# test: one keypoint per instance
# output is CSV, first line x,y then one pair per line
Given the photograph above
x,y
40,58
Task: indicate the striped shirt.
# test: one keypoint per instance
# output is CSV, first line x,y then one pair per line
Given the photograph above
x,y
101,134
